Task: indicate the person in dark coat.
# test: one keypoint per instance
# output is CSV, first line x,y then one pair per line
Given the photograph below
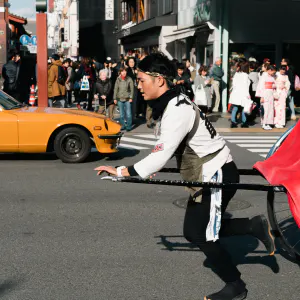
x,y
86,69
132,73
10,74
102,91
184,81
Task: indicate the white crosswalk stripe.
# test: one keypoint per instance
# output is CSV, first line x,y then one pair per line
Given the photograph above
x,y
259,144
122,145
138,141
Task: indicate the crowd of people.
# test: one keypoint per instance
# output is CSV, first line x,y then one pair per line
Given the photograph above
x,y
255,90
99,87
264,91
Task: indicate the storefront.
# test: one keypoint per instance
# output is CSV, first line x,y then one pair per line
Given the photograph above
x,y
146,35
193,32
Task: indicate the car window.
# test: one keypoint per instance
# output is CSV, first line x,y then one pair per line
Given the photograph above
x,y
8,102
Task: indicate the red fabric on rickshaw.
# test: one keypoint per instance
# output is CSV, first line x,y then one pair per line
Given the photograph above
x,y
283,168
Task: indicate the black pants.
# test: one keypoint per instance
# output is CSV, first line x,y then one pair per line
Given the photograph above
x,y
69,98
196,221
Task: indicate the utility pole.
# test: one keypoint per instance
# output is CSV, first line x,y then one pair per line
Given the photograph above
x,y
42,52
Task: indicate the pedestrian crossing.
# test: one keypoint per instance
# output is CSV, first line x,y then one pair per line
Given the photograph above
x,y
259,144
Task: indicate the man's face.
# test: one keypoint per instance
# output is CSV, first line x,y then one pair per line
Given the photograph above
x,y
124,73
148,86
219,62
283,63
180,72
103,76
67,64
17,58
131,63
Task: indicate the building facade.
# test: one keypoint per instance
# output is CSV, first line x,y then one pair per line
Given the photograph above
x,y
143,23
97,24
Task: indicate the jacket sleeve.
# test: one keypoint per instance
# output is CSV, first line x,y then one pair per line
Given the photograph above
x,y
131,89
177,122
69,74
109,88
218,72
95,89
196,81
4,75
51,78
116,89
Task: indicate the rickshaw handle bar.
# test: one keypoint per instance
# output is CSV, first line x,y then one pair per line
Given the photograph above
x,y
235,186
250,172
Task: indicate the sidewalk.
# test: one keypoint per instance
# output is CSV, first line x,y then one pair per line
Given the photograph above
x,y
221,121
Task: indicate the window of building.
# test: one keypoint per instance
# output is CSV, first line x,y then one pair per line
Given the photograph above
x,y
129,12
136,11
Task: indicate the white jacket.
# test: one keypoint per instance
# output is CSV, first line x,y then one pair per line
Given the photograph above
x,y
176,123
240,89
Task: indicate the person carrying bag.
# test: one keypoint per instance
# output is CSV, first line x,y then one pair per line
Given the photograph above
x,y
202,90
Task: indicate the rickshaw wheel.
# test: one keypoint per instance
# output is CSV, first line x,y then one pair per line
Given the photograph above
x,y
284,227
281,219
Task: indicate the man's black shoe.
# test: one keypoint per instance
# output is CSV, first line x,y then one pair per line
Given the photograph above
x,y
260,228
233,125
232,291
245,125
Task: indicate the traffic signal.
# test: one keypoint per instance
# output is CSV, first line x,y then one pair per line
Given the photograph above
x,y
41,6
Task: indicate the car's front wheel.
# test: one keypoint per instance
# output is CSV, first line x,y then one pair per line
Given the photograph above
x,y
72,145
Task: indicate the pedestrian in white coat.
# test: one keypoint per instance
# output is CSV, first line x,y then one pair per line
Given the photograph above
x,y
240,95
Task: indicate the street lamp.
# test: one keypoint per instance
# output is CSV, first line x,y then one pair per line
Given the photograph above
x,y
41,6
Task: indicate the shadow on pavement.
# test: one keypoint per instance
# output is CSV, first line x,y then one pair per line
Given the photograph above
x,y
94,156
28,156
8,285
238,247
123,153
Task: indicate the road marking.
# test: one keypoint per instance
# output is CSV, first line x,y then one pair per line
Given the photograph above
x,y
147,136
251,141
236,137
122,145
138,141
264,155
255,145
260,150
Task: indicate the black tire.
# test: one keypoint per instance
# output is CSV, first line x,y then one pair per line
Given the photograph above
x,y
281,219
283,225
72,145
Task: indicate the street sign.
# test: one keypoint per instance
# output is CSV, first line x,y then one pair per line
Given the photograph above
x,y
32,49
25,40
41,5
65,45
34,40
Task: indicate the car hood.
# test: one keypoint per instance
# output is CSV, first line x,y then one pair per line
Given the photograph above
x,y
58,111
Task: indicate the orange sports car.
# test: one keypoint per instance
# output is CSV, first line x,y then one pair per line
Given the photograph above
x,y
69,133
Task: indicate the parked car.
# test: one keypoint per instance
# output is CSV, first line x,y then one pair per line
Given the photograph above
x,y
69,133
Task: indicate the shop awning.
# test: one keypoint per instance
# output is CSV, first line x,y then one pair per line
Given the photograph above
x,y
179,35
185,33
167,20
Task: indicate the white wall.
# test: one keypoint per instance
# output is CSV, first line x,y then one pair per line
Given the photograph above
x,y
74,28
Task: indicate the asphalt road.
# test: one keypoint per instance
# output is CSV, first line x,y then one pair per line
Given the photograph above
x,y
65,234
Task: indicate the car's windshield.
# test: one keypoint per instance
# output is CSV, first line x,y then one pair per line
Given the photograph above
x,y
7,102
